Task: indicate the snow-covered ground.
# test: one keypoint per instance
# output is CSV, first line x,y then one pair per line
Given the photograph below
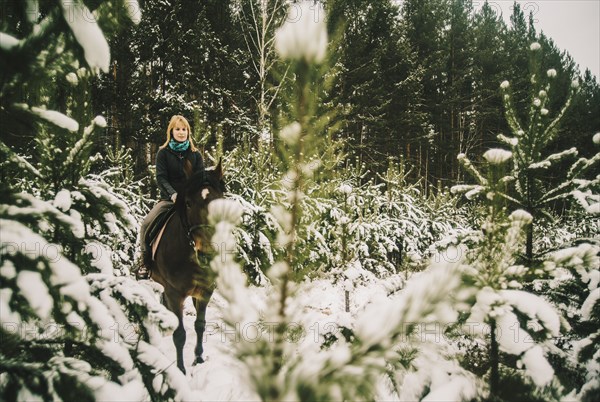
x,y
221,377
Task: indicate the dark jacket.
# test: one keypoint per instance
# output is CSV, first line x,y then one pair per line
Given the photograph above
x,y
170,174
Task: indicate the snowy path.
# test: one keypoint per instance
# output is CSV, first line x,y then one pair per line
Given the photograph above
x,y
219,378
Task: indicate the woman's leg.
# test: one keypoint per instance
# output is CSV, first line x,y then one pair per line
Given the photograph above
x,y
145,250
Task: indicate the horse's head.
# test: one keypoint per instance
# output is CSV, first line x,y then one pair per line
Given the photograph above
x,y
201,189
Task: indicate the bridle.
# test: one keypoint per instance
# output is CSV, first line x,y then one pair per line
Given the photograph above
x,y
191,229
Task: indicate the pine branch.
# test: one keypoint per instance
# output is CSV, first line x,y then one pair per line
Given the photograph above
x,y
19,160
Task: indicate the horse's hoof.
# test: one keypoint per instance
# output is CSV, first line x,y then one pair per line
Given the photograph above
x,y
198,360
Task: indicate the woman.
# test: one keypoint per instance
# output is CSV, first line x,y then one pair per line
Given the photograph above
x,y
176,160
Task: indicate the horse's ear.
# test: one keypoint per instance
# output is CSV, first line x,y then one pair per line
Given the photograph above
x,y
219,170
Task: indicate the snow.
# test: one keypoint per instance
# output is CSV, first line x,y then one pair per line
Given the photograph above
x,y
101,257
100,121
134,12
574,256
8,318
534,307
175,378
303,35
496,156
34,289
290,134
7,42
508,140
422,301
8,270
56,118
546,163
72,78
537,366
63,200
512,339
589,303
590,202
453,388
521,215
87,32
225,210
110,391
594,276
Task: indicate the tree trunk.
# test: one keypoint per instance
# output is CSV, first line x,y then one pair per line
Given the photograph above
x,y
494,377
529,243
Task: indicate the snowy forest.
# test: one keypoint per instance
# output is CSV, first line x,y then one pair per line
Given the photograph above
x,y
412,208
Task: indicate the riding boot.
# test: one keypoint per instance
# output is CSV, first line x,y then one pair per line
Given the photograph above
x,y
142,266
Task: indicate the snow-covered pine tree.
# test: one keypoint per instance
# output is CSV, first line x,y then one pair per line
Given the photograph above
x,y
577,296
530,185
67,336
497,276
529,143
521,322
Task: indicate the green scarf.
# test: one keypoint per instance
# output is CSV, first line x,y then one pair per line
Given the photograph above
x,y
179,146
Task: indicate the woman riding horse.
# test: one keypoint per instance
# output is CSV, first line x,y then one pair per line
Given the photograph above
x,y
181,263
176,160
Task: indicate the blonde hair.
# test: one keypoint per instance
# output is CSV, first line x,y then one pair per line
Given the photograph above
x,y
179,119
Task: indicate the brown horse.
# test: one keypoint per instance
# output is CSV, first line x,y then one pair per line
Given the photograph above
x,y
182,257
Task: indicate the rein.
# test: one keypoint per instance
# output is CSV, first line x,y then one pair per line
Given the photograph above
x,y
190,229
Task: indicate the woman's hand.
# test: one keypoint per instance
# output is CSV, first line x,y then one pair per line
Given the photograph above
x,y
174,197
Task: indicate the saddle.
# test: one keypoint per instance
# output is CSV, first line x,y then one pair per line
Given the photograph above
x,y
156,229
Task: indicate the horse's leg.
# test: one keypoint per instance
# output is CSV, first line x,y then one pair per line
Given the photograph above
x,y
200,325
174,302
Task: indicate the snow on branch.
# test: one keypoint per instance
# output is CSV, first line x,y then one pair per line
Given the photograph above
x,y
19,160
40,208
88,34
8,42
546,163
51,116
512,141
462,158
582,165
551,130
87,132
590,202
428,299
470,190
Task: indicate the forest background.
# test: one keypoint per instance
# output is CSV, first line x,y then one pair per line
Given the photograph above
x,y
416,85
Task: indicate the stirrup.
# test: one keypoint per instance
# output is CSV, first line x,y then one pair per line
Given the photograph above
x,y
141,271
